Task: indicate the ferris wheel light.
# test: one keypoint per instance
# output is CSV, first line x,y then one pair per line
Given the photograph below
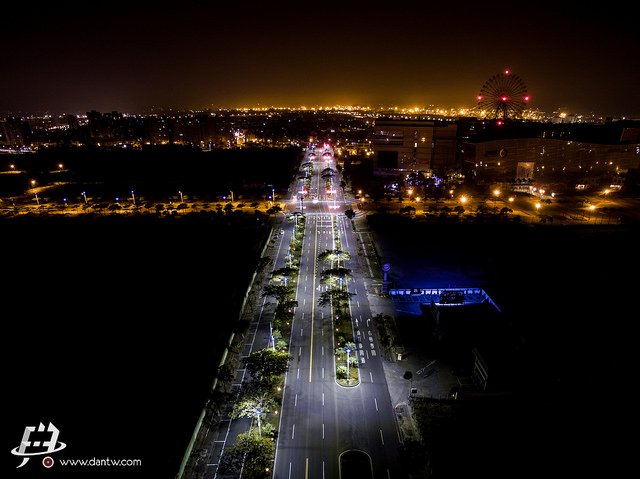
x,y
526,98
506,72
504,98
479,97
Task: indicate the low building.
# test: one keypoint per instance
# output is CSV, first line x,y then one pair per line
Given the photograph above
x,y
403,146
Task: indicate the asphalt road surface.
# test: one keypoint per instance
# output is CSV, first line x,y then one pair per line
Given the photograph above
x,y
320,419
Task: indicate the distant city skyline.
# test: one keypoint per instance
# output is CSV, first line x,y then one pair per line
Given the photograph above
x,y
70,57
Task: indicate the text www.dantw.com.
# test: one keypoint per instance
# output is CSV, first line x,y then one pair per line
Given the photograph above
x,y
101,462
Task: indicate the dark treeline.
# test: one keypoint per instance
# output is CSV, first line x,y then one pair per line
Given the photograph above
x,y
157,170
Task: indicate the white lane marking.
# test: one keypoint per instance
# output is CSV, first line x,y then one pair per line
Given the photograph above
x,y
323,470
358,303
302,315
322,430
321,315
371,376
293,431
322,373
306,277
381,437
301,329
388,474
300,351
298,373
367,353
376,401
295,401
363,360
373,352
323,399
323,350
304,301
290,470
305,289
355,290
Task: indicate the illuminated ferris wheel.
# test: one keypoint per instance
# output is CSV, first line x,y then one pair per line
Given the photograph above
x,y
503,96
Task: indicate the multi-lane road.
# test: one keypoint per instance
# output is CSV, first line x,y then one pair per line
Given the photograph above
x,y
320,419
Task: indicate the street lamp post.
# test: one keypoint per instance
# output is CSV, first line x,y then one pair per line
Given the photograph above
x,y
258,412
348,351
133,197
84,195
181,197
231,195
271,339
37,200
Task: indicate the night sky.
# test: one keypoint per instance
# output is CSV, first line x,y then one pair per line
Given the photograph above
x,y
71,57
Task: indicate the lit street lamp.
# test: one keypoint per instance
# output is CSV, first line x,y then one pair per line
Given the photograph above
x,y
271,338
348,351
181,197
84,195
257,412
37,200
133,197
231,196
496,195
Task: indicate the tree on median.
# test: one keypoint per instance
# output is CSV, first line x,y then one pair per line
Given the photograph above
x,y
335,276
336,297
251,453
266,364
278,291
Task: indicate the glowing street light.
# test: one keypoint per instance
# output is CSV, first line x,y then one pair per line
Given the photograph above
x,y
181,197
538,206
258,412
84,195
271,338
463,199
133,197
33,183
511,199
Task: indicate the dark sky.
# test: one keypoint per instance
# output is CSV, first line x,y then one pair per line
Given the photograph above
x,y
115,55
